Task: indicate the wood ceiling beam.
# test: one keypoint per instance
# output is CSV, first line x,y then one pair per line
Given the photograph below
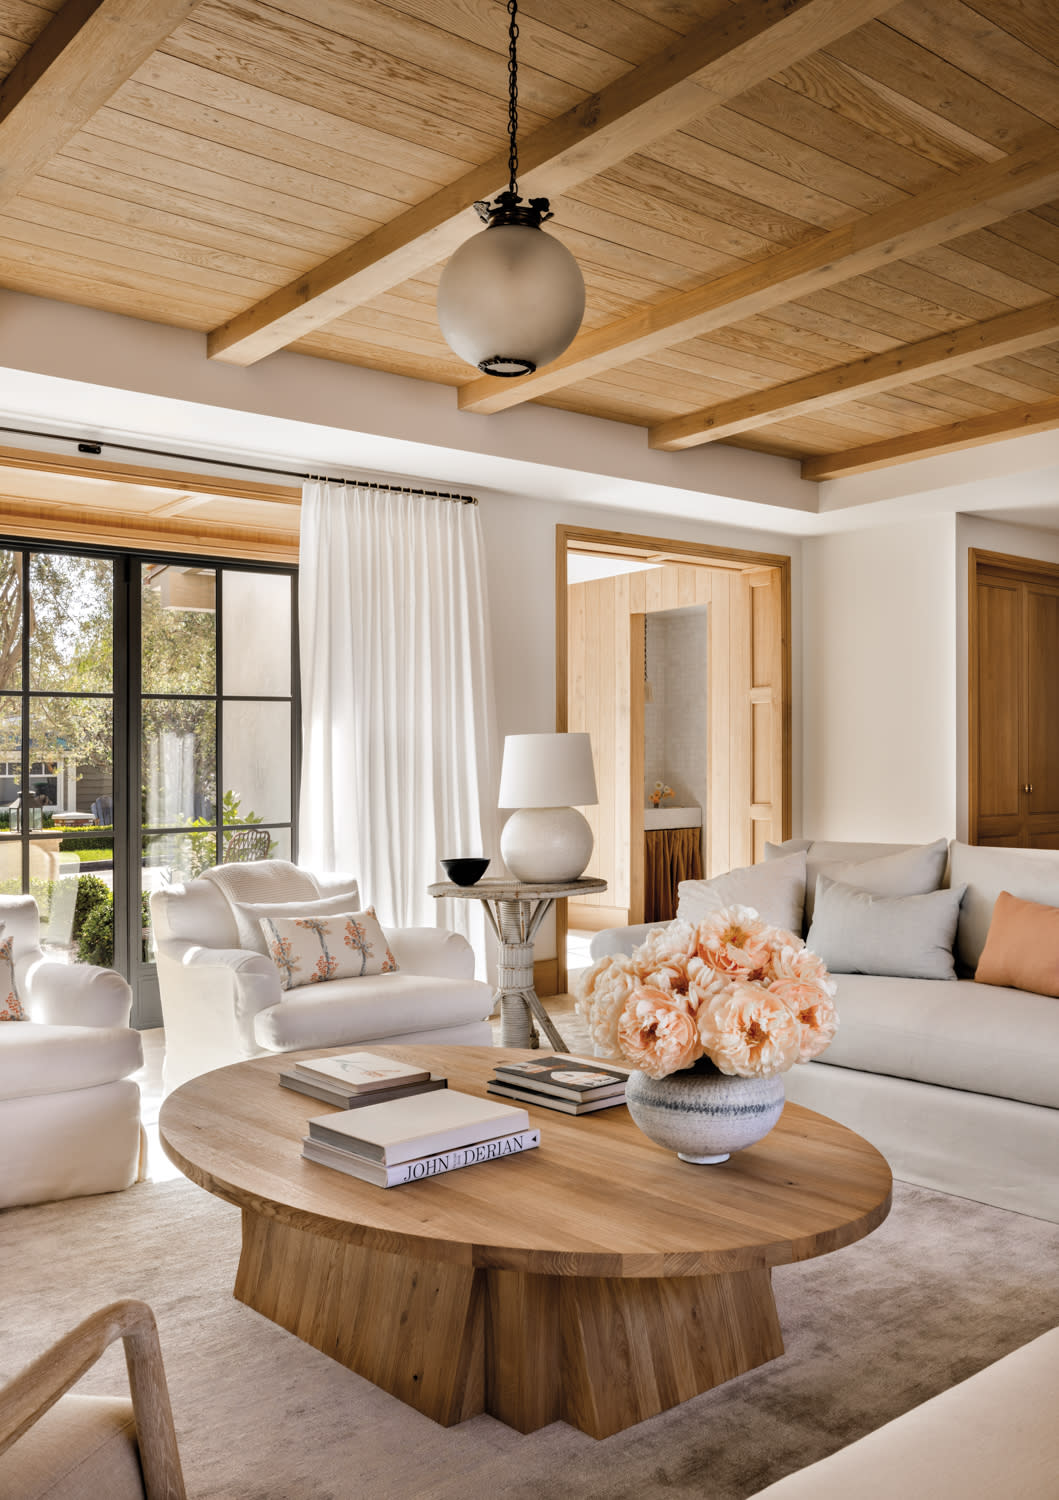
x,y
1010,333
694,74
955,205
85,53
1018,421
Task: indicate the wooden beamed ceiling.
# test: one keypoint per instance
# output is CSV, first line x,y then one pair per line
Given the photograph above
x,y
822,228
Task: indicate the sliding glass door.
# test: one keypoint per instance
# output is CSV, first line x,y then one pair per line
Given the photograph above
x,y
148,730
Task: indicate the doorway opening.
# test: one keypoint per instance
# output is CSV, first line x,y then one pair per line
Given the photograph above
x,y
675,658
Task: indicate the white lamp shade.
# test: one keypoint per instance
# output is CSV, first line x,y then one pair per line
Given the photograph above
x,y
511,292
548,770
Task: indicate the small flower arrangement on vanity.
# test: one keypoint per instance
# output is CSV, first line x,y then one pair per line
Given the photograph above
x,y
660,793
707,1008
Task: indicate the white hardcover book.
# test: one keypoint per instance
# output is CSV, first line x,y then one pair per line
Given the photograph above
x,y
360,1072
421,1167
424,1125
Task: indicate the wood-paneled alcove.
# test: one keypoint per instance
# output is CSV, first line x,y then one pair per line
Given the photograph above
x,y
1013,699
600,688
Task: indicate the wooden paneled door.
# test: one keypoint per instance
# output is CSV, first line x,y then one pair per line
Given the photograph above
x,y
1014,701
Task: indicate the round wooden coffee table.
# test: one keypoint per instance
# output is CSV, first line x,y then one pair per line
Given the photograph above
x,y
597,1280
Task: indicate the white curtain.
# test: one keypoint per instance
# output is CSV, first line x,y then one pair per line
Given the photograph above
x,y
399,742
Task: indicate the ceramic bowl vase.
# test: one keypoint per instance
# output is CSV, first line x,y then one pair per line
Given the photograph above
x,y
702,1114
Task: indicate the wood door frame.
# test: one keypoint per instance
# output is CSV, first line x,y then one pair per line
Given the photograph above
x,y
663,550
983,565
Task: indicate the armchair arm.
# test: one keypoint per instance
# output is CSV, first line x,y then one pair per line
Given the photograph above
x,y
432,951
26,1398
77,995
210,997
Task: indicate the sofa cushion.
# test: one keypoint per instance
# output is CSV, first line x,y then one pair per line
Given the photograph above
x,y
84,1446
960,1035
38,1059
775,890
250,914
361,1010
883,869
1022,949
1031,874
855,932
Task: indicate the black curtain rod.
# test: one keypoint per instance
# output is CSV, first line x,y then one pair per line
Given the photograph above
x,y
94,449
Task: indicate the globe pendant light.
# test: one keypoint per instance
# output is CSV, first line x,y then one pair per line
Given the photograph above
x,y
512,298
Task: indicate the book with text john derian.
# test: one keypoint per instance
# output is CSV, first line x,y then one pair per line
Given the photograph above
x,y
421,1167
424,1125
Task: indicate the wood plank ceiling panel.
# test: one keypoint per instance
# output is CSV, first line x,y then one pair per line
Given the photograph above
x,y
261,139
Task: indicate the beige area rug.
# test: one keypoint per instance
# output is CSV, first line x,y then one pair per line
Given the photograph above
x,y
943,1288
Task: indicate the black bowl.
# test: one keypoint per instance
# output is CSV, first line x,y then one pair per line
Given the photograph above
x,y
464,871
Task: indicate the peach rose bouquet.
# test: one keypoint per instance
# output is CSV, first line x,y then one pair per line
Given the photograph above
x,y
749,997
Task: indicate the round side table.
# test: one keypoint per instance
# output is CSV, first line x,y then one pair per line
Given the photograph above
x,y
516,911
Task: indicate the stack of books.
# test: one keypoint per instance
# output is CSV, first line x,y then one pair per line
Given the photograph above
x,y
359,1078
408,1140
565,1083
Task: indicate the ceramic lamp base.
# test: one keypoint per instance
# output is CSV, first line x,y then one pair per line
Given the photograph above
x,y
546,845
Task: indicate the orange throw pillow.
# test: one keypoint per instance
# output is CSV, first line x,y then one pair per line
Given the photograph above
x,y
1022,949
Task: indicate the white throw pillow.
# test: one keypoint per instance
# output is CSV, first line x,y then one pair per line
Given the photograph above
x,y
907,937
314,949
775,890
248,915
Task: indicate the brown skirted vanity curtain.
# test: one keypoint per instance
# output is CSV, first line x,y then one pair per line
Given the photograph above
x,y
670,856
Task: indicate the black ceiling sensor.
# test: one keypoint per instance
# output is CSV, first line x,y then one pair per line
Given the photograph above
x,y
90,448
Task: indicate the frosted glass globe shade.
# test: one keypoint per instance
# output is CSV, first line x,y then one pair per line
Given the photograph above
x,y
512,292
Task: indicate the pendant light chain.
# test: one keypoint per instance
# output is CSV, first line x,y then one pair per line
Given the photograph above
x,y
512,84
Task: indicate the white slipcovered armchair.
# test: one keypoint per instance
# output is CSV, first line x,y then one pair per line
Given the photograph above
x,y
221,995
69,1112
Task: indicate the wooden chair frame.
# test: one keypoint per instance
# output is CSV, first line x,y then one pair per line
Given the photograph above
x,y
41,1384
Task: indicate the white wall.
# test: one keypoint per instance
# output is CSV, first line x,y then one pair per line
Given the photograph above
x,y
990,536
879,683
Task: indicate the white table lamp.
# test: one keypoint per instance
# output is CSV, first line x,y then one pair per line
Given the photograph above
x,y
547,777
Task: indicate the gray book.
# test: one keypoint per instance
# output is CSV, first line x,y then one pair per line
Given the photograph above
x,y
318,1089
550,1101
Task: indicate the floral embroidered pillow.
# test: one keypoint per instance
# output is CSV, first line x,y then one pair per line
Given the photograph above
x,y
311,950
11,1007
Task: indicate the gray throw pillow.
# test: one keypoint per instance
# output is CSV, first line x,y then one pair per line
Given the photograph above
x,y
906,937
775,890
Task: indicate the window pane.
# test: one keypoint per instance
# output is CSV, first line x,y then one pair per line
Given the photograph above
x,y
10,763
71,644
177,857
244,844
178,634
257,634
179,761
75,897
10,620
10,867
256,756
72,769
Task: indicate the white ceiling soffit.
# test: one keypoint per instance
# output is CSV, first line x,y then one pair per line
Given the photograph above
x,y
100,376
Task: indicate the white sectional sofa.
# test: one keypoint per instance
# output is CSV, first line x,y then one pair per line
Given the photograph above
x,y
957,1083
992,1437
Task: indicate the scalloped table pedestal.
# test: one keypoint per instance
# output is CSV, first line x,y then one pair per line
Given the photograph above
x,y
597,1280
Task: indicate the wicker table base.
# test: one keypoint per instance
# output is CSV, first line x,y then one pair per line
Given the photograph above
x,y
515,912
